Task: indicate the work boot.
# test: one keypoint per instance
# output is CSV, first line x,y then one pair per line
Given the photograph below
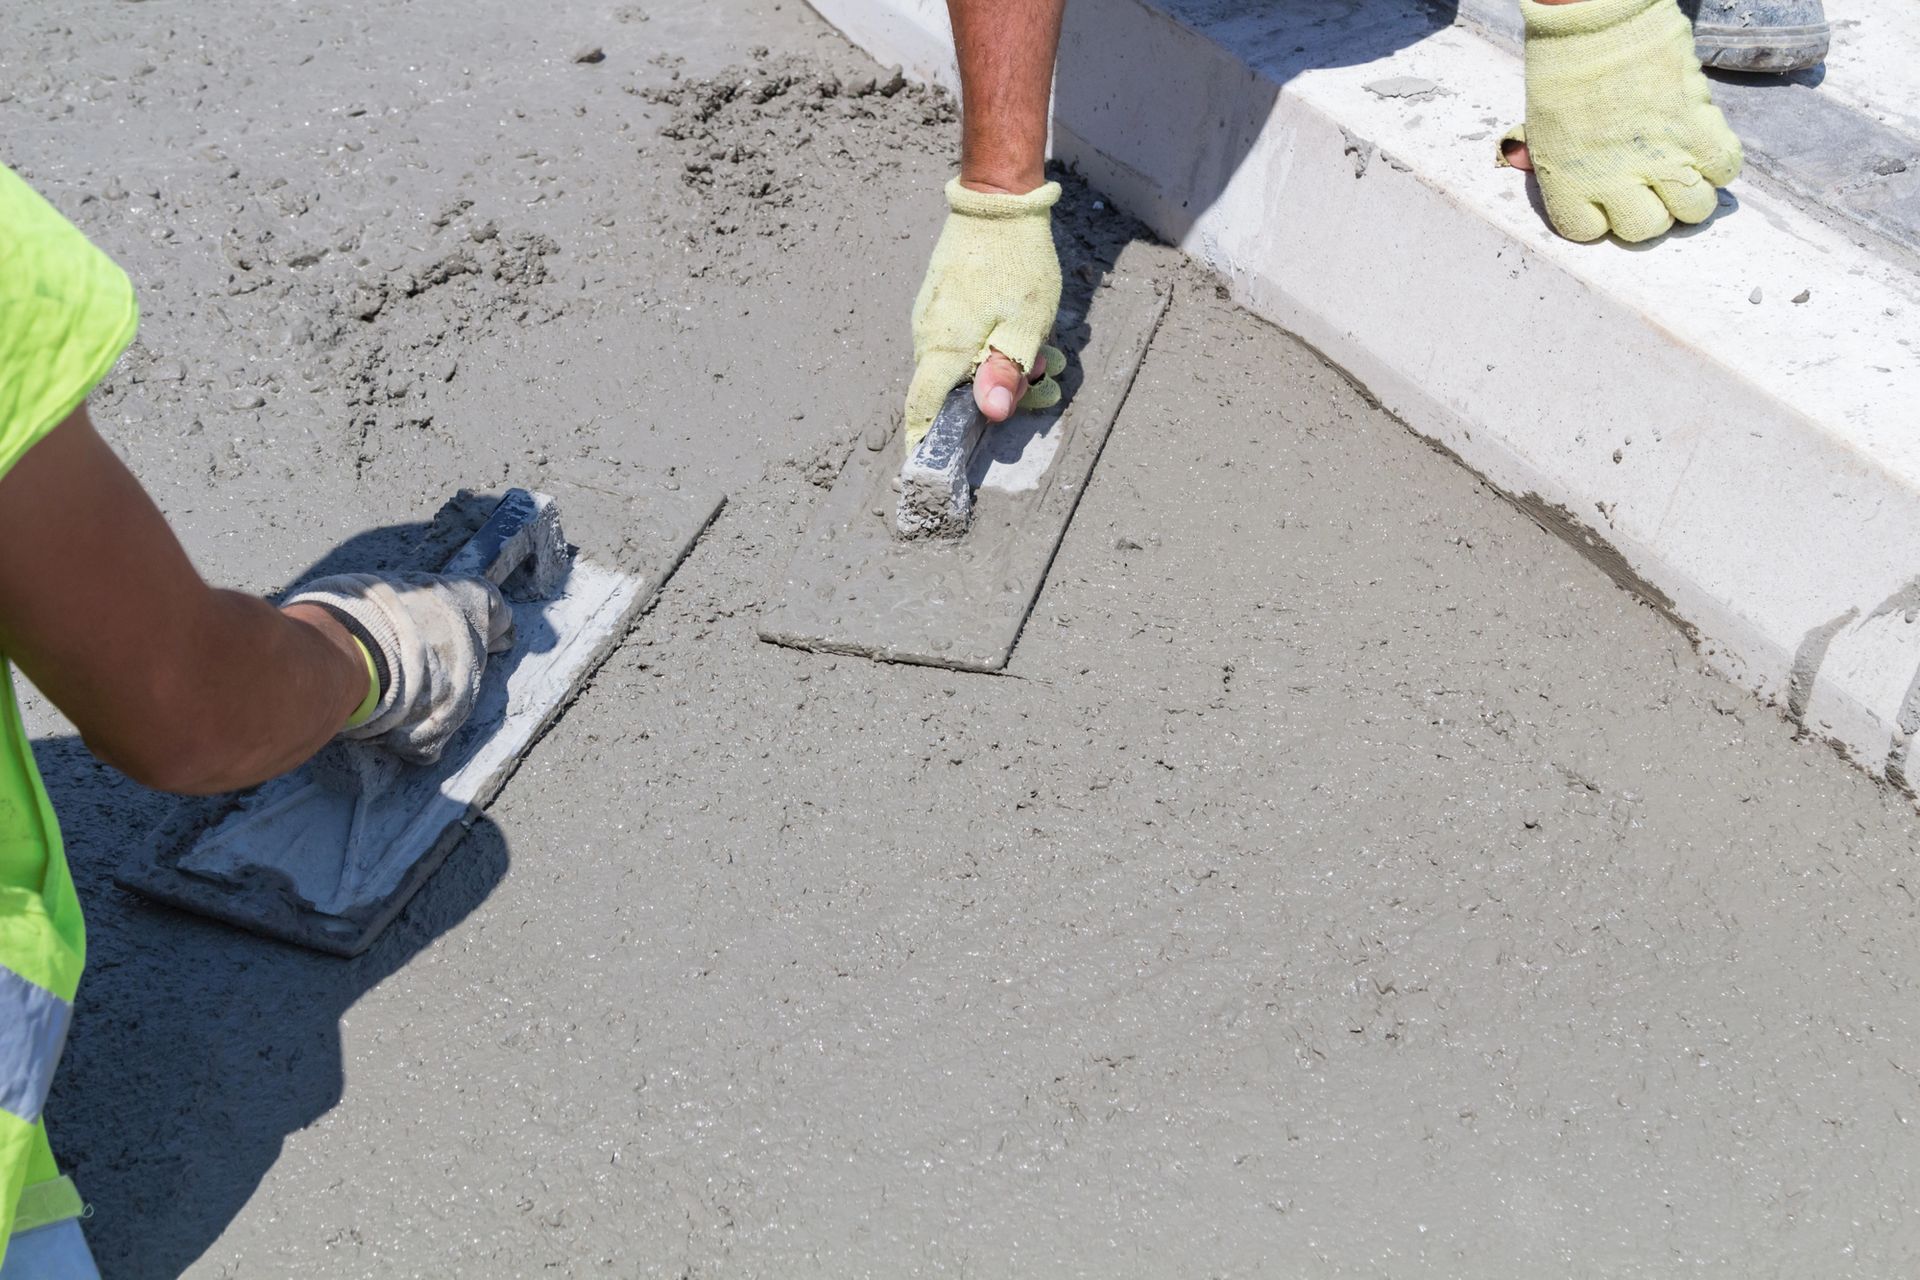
x,y
1759,35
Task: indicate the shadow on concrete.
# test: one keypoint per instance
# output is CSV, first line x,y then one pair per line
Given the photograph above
x,y
1192,126
1190,123
197,1049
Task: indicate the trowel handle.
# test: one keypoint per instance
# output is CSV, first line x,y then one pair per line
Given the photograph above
x,y
955,430
524,530
936,497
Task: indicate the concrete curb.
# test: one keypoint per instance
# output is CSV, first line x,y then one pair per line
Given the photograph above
x,y
1749,467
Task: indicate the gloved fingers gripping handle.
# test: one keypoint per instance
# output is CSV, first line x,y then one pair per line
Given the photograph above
x,y
1044,392
1018,341
484,604
431,635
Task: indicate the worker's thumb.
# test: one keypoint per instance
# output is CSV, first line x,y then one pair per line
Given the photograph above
x,y
998,385
1511,151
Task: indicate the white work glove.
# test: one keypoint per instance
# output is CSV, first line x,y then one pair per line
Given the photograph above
x,y
428,637
993,285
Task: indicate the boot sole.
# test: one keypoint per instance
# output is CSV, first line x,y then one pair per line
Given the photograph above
x,y
1771,49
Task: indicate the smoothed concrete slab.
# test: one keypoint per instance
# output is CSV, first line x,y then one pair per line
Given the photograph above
x,y
855,586
1751,469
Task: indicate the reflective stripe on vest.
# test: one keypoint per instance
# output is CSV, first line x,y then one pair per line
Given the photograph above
x,y
57,1252
33,1031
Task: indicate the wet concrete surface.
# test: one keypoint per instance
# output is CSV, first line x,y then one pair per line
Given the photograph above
x,y
1346,879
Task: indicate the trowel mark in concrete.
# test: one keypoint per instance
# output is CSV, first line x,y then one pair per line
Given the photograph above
x,y
1807,660
1907,720
854,587
1015,458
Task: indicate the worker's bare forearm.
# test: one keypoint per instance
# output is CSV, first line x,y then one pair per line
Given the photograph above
x,y
294,679
1006,50
184,687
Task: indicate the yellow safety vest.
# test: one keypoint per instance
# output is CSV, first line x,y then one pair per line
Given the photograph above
x,y
66,314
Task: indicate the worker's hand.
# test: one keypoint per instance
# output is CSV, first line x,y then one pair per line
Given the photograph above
x,y
988,303
429,637
1621,130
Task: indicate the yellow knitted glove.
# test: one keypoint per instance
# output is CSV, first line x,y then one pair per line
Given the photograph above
x,y
1621,129
993,285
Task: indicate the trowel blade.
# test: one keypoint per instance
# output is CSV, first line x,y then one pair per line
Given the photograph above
x,y
855,586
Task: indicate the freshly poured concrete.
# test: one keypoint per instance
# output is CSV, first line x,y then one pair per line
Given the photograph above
x,y
856,586
1347,879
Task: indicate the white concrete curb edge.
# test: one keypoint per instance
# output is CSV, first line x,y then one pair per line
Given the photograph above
x,y
1750,468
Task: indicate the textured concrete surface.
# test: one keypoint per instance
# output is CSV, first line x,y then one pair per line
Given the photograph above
x,y
1347,878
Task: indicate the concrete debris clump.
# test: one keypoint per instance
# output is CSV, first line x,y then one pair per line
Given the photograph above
x,y
359,308
754,137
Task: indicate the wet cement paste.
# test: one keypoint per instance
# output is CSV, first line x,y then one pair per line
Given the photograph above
x,y
1347,878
